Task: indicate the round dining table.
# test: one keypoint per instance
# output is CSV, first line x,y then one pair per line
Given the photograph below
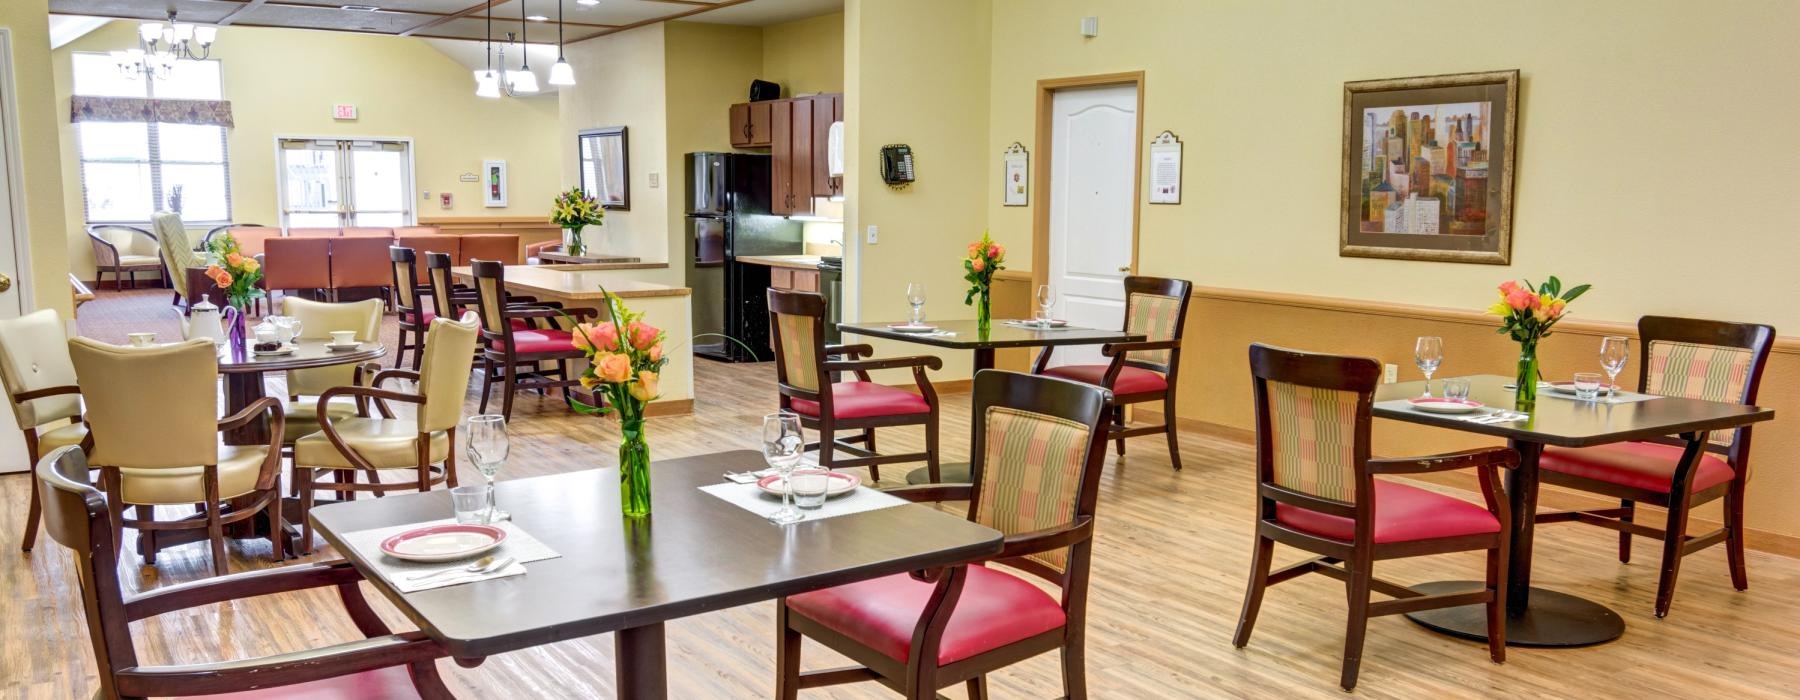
x,y
244,377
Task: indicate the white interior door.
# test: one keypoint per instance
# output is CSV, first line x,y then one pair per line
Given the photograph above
x,y
13,457
1093,175
329,183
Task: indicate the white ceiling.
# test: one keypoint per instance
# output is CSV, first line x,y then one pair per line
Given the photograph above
x,y
762,13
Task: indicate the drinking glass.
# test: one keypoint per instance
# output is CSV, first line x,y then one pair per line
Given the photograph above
x,y
1615,350
1046,298
1456,388
470,503
1428,353
1587,385
810,487
915,295
783,445
488,446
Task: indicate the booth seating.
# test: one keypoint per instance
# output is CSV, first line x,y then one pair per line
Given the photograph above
x,y
330,260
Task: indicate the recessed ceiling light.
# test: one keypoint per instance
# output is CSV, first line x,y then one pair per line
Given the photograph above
x,y
537,18
359,8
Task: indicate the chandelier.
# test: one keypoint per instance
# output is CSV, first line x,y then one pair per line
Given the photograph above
x,y
514,83
161,44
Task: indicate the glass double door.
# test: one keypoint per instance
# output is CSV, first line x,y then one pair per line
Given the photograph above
x,y
332,183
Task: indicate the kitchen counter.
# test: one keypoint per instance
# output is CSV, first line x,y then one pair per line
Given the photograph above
x,y
575,282
796,262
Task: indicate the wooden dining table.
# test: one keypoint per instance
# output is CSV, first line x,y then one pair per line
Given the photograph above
x,y
1536,616
244,378
695,553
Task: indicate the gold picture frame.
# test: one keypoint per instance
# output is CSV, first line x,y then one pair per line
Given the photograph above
x,y
1428,168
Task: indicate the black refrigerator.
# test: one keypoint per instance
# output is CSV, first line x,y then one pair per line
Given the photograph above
x,y
728,216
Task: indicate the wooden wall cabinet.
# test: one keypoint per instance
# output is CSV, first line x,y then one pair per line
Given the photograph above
x,y
792,280
825,109
750,124
797,134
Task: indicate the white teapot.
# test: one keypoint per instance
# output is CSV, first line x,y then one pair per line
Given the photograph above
x,y
204,321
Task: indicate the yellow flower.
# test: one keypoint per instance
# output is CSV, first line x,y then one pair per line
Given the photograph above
x,y
645,388
1499,309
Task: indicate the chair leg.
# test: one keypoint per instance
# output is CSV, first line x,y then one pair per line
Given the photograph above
x,y
1734,537
215,531
1169,429
507,389
418,352
1496,608
1260,559
31,520
400,349
1674,536
977,688
787,655
277,527
1358,593
146,537
487,381
1074,668
303,480
1118,421
932,461
1624,536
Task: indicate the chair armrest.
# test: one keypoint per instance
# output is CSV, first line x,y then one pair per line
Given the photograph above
x,y
333,661
925,361
932,493
243,418
387,374
237,586
381,396
1044,540
854,351
1504,457
105,253
45,392
546,312
1119,349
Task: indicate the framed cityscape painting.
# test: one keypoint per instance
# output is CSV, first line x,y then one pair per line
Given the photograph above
x,y
1428,167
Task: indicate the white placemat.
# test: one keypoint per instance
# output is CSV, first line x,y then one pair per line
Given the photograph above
x,y
1484,415
1623,396
1033,325
751,498
519,545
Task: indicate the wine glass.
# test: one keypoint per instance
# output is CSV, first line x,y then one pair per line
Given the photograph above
x,y
915,295
1615,350
488,446
1046,298
783,445
1428,353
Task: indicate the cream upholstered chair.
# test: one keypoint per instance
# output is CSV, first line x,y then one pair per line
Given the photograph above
x,y
40,383
124,250
178,252
317,320
175,459
387,441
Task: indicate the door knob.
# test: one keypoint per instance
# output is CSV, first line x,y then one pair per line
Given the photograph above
x,y
5,282
1124,268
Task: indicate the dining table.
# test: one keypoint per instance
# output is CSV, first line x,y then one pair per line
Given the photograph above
x,y
967,335
695,553
1539,617
244,377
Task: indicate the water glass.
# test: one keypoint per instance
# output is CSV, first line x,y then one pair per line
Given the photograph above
x,y
810,486
1046,300
487,447
1456,389
915,296
783,445
1428,353
471,503
1615,351
1587,385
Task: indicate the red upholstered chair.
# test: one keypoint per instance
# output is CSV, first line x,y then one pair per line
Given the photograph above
x,y
385,664
252,240
1317,491
1689,358
1142,371
366,231
806,374
1038,441
314,232
518,356
360,262
297,264
416,231
503,247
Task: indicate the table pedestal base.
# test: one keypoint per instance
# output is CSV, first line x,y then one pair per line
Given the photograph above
x,y
1553,619
640,670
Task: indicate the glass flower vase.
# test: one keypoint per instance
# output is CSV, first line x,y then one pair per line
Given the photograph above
x,y
984,316
237,331
572,243
1526,379
634,468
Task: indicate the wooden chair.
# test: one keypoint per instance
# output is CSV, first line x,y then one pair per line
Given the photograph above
x,y
1689,358
410,311
304,386
167,452
40,382
1142,371
424,443
1038,440
1317,491
123,250
385,664
506,346
359,262
805,366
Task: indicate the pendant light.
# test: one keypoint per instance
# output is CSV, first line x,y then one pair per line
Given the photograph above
x,y
523,81
487,82
561,73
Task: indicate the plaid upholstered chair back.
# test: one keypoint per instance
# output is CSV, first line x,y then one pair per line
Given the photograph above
x,y
1312,427
1709,360
797,326
1036,460
1157,308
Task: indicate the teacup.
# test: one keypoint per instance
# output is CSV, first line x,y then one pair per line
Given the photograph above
x,y
343,338
141,340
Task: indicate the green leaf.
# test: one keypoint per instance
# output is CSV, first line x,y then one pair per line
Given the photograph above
x,y
1577,291
1553,286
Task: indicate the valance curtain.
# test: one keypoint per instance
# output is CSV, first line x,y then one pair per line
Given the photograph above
x,y
140,109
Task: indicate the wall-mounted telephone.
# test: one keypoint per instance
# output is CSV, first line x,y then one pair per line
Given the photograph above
x,y
897,164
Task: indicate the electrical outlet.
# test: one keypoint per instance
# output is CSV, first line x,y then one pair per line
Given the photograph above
x,y
426,195
655,180
1390,373
874,234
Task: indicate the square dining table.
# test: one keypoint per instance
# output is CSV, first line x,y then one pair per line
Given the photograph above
x,y
694,553
1536,616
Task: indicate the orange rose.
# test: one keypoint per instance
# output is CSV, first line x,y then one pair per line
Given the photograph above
x,y
224,279
978,264
645,389
656,352
612,367
251,265
234,259
595,336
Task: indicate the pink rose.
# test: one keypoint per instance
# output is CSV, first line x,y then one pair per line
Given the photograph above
x,y
612,367
993,250
656,353
1508,287
1521,300
974,249
978,264
596,336
642,334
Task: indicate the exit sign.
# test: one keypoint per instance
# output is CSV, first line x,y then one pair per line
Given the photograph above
x,y
343,111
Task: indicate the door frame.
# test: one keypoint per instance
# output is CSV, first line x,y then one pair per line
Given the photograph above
x,y
1041,170
412,173
23,290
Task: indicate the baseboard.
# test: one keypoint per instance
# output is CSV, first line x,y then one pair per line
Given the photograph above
x,y
1550,497
671,407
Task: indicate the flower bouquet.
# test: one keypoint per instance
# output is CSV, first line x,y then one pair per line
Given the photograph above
x,y
575,210
625,361
985,258
236,276
1527,312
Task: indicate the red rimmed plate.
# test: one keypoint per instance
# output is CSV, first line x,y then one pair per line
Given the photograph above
x,y
443,542
1433,404
841,483
912,327
1569,388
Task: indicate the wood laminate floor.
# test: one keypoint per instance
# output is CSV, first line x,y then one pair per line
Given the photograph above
x,y
1170,563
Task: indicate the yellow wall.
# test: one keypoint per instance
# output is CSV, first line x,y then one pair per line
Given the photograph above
x,y
1636,164
284,82
712,66
29,24
620,83
804,56
932,97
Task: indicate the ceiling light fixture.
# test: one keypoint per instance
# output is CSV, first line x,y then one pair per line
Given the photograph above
x,y
540,18
161,44
588,3
487,82
561,73
521,81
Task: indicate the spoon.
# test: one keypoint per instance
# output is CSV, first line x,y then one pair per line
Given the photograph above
x,y
485,565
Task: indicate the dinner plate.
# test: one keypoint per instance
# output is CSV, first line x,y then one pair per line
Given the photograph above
x,y
335,346
287,349
1569,388
1054,323
1432,404
443,542
912,328
841,483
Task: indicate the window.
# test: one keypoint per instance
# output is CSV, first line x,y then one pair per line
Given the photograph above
x,y
330,183
132,169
